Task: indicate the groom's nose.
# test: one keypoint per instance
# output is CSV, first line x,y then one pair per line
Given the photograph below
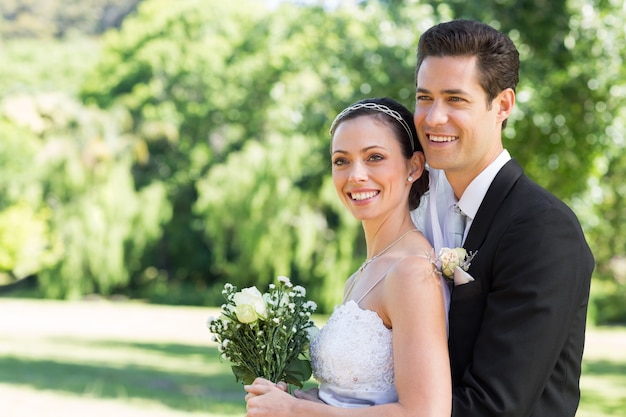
x,y
437,114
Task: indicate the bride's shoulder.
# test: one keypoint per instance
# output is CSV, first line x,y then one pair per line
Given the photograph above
x,y
418,263
414,270
413,281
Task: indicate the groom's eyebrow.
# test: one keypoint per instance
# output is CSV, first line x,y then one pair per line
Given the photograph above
x,y
450,91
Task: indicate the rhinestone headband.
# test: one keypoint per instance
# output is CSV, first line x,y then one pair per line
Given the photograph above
x,y
377,107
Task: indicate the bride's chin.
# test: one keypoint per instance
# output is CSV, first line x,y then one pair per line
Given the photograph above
x,y
361,216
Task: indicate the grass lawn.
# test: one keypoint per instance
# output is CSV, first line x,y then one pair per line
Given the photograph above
x,y
97,358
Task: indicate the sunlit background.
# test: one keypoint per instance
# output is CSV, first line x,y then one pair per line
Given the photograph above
x,y
152,150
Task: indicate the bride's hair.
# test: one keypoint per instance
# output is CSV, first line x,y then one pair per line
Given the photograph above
x,y
400,120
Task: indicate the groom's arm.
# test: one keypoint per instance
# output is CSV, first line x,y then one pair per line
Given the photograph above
x,y
532,332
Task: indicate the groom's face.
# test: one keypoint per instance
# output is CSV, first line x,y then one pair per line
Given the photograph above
x,y
458,129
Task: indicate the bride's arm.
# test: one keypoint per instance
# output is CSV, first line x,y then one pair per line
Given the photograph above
x,y
412,301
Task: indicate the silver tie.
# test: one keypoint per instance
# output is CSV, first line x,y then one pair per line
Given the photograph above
x,y
458,226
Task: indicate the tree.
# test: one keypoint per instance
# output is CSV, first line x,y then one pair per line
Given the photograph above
x,y
217,92
208,86
27,244
78,223
56,18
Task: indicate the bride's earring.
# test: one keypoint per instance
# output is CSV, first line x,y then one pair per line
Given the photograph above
x,y
410,179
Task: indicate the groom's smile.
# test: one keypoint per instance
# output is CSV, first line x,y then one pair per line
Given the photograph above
x,y
440,138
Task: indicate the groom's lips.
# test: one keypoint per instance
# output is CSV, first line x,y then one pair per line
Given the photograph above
x,y
442,138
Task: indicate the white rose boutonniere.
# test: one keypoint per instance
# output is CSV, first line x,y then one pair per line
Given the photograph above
x,y
449,259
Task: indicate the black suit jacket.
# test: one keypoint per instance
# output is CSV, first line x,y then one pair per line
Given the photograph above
x,y
517,332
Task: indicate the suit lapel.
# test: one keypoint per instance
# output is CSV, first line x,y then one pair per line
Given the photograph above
x,y
498,190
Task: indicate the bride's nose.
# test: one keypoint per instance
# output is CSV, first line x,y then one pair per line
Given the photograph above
x,y
358,173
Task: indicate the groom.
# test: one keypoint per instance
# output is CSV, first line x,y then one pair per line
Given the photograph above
x,y
517,330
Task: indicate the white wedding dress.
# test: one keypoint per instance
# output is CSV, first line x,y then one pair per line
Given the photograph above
x,y
352,356
352,359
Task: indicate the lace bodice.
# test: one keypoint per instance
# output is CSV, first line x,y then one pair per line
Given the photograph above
x,y
352,358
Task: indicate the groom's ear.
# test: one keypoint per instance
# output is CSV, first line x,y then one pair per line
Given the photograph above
x,y
417,164
505,102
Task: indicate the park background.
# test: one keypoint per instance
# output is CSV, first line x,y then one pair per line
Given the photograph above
x,y
152,150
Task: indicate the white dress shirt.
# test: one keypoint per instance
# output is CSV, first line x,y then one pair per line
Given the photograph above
x,y
475,192
431,217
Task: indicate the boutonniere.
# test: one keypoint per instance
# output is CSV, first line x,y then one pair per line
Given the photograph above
x,y
449,259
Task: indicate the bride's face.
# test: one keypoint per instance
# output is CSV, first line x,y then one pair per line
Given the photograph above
x,y
369,171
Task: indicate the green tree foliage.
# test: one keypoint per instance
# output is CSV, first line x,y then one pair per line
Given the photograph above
x,y
61,18
234,102
600,31
26,242
272,224
202,83
97,225
217,167
48,65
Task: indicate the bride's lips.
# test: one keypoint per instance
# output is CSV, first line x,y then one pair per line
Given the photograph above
x,y
363,195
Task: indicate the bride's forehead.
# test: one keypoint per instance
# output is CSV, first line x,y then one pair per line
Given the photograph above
x,y
366,143
363,128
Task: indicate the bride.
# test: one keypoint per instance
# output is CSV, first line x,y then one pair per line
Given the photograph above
x,y
384,350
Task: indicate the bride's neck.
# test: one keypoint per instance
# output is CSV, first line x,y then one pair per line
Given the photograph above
x,y
380,235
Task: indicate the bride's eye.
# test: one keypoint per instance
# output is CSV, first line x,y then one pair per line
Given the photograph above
x,y
375,157
339,161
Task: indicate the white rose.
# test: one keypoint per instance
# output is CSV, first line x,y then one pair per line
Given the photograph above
x,y
450,259
249,305
460,252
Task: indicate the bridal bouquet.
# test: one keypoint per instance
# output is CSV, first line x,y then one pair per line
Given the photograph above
x,y
266,335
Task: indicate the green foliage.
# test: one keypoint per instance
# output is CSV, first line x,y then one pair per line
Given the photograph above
x,y
597,37
262,222
266,334
209,147
83,180
26,246
60,18
220,113
202,102
18,177
26,64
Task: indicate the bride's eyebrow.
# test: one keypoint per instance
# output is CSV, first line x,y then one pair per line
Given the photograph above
x,y
366,149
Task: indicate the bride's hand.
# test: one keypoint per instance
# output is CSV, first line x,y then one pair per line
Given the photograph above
x,y
251,389
312,394
266,399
